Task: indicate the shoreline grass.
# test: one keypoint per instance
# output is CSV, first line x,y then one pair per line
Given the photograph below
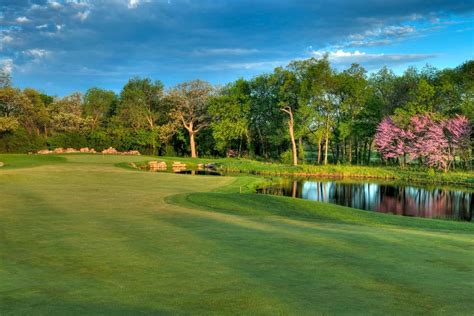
x,y
80,235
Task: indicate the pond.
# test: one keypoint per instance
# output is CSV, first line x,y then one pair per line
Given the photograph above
x,y
399,199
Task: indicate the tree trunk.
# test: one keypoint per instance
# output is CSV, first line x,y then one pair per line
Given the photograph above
x,y
301,149
192,144
326,145
319,149
293,143
291,122
350,151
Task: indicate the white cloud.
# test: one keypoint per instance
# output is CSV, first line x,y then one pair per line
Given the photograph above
x,y
36,53
42,26
369,59
22,19
6,39
79,3
133,4
6,65
54,4
59,27
380,36
259,65
83,15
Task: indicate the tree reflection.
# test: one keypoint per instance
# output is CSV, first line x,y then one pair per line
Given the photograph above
x,y
399,200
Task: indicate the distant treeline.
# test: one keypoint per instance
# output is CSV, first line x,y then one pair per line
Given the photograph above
x,y
306,108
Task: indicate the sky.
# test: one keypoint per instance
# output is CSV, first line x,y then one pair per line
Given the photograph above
x,y
63,46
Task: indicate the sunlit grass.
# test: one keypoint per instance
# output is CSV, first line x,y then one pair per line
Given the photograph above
x,y
81,236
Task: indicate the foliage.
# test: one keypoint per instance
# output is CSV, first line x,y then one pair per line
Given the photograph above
x,y
306,104
428,139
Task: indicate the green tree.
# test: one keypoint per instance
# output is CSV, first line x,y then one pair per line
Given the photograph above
x,y
354,90
98,104
141,108
229,111
191,100
319,90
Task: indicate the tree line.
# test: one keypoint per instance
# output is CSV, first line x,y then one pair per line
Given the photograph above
x,y
307,111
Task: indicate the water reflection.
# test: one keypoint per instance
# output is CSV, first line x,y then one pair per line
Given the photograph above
x,y
400,200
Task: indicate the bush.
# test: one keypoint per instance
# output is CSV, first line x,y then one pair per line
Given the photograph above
x,y
21,141
287,157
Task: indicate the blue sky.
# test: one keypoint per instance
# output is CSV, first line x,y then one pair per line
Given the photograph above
x,y
62,46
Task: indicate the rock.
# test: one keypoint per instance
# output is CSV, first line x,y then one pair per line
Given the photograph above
x,y
71,151
59,150
131,152
44,152
1,164
200,166
157,166
87,150
211,165
178,166
110,151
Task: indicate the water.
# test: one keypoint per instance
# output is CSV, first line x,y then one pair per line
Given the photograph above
x,y
405,200
204,172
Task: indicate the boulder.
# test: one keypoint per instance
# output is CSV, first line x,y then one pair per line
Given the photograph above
x,y
44,152
131,152
59,150
70,151
1,164
178,166
157,166
110,151
84,150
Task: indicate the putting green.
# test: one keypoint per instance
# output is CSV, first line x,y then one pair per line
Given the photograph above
x,y
80,235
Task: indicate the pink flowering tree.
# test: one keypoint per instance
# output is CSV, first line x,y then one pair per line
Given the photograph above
x,y
434,142
458,132
390,141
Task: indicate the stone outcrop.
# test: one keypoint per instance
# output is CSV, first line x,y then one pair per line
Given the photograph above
x,y
44,152
178,166
110,151
87,150
131,153
1,164
71,151
157,166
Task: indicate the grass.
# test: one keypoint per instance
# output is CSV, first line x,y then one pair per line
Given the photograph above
x,y
412,174
78,235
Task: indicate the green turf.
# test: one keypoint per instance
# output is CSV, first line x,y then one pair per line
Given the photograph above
x,y
79,235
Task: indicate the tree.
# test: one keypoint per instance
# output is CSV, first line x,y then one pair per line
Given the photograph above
x,y
8,124
266,120
35,113
98,103
390,141
191,100
354,92
319,90
141,108
66,115
288,101
229,112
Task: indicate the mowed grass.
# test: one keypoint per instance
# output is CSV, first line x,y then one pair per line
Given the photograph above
x,y
79,235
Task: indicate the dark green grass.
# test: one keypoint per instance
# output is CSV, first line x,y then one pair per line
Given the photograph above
x,y
84,237
12,161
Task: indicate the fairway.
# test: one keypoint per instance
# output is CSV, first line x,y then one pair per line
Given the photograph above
x,y
81,234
